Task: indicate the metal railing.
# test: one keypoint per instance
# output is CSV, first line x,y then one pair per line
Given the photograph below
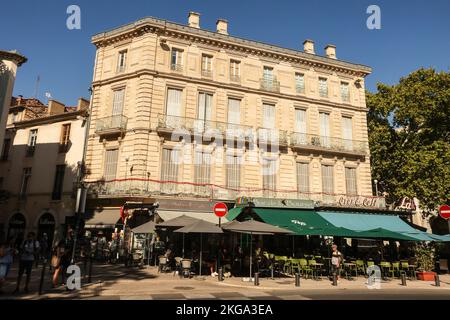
x,y
330,143
116,123
270,84
30,151
176,67
203,127
235,79
207,73
272,136
299,89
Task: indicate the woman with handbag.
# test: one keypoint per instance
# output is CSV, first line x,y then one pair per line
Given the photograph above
x,y
57,256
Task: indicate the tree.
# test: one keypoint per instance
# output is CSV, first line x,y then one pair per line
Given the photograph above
x,y
409,136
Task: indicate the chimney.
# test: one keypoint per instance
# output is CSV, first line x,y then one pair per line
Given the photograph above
x,y
55,107
194,20
308,46
83,104
330,51
222,26
19,100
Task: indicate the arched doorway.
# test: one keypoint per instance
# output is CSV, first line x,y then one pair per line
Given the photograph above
x,y
46,225
16,228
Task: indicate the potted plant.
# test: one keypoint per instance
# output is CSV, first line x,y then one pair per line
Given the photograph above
x,y
425,255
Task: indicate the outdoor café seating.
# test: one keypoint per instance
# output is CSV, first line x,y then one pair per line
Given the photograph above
x,y
186,268
163,264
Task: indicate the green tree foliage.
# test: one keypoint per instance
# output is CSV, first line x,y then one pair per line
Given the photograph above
x,y
409,135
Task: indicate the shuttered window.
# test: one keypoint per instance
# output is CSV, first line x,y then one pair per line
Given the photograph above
x,y
173,108
58,182
122,61
300,83
302,177
233,171
327,179
204,114
269,177
345,92
268,116
169,170
111,158
324,129
350,181
118,101
347,132
323,87
202,171
234,113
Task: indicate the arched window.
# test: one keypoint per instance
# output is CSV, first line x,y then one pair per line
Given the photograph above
x,y
16,227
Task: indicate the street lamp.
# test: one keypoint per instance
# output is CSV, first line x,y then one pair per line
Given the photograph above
x,y
376,187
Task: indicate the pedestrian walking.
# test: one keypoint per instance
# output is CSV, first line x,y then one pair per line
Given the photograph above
x,y
6,260
58,253
28,251
336,260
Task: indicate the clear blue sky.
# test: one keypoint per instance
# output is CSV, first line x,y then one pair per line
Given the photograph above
x,y
414,33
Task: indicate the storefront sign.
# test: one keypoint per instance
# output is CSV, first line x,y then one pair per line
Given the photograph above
x,y
360,202
274,203
406,204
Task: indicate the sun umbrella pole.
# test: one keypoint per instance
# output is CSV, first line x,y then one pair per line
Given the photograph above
x,y
251,254
293,246
201,253
183,245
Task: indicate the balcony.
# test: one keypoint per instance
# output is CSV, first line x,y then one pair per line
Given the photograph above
x,y
111,125
321,143
235,79
273,137
30,151
270,84
197,127
176,67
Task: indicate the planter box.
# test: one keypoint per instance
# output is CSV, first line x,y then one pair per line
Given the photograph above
x,y
426,276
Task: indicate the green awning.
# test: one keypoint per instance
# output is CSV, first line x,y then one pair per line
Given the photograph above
x,y
233,214
302,222
378,226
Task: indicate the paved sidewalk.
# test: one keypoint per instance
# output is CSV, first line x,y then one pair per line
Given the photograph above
x,y
119,283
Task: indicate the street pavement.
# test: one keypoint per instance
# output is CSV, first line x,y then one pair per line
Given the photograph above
x,y
116,282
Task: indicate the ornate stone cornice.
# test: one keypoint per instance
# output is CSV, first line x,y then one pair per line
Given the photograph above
x,y
13,56
220,41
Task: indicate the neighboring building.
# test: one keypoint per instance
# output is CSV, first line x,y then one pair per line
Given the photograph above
x,y
299,115
9,63
42,149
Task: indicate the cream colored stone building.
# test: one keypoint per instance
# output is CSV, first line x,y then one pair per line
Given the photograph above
x,y
42,148
156,83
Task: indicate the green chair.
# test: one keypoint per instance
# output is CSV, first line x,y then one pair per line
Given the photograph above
x,y
387,270
295,266
287,267
305,268
360,267
396,269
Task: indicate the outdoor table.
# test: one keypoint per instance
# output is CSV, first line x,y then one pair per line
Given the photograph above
x,y
348,267
316,267
412,270
327,262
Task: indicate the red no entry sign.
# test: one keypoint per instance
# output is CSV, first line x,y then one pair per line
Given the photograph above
x,y
220,210
444,211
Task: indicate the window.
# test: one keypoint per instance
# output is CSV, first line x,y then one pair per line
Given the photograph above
x,y
6,148
202,171
268,73
345,92
206,65
59,182
300,127
235,70
110,169
300,83
269,167
173,108
122,61
32,140
118,100
324,129
350,181
234,114
327,181
302,178
234,172
26,176
204,114
65,138
169,170
176,60
347,132
268,116
323,87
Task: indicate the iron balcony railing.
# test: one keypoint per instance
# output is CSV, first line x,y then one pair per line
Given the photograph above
x,y
272,136
203,127
235,79
270,84
207,73
111,124
176,67
330,143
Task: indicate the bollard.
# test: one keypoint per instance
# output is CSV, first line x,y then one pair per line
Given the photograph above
x,y
41,283
334,279
403,278
257,279
437,281
220,274
297,280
